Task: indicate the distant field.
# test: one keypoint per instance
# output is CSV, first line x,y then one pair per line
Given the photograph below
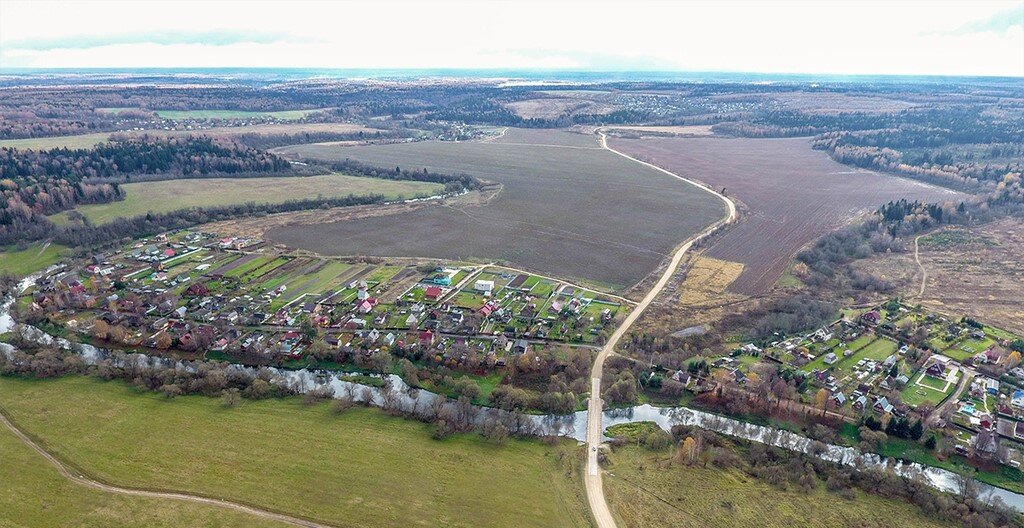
x,y
645,493
169,195
288,115
81,141
691,130
361,468
84,141
36,496
792,194
570,209
31,259
555,107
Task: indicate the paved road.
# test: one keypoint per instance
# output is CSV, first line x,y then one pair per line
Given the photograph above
x,y
78,478
595,489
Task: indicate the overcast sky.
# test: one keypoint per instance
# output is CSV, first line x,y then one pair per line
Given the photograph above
x,y
945,38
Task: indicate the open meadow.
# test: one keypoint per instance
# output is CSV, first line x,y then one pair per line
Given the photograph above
x,y
169,195
35,495
358,468
85,141
567,208
973,271
791,194
31,259
644,491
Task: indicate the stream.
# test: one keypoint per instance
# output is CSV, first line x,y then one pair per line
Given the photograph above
x,y
571,426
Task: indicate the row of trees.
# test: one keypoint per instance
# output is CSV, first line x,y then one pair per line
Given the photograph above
x,y
231,384
793,471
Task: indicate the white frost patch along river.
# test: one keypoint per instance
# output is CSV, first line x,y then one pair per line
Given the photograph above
x,y
573,425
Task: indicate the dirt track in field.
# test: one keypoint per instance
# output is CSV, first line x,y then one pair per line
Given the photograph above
x,y
78,478
790,195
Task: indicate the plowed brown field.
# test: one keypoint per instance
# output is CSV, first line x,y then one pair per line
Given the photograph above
x,y
791,195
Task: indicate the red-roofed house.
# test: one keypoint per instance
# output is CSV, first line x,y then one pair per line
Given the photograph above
x,y
432,293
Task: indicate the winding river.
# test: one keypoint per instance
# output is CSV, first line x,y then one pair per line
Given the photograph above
x,y
573,425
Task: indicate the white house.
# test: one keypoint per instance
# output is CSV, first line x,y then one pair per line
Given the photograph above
x,y
484,286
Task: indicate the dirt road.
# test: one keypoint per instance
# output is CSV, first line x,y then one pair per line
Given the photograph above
x,y
78,478
917,258
595,489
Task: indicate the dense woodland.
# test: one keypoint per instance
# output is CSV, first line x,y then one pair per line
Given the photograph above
x,y
35,184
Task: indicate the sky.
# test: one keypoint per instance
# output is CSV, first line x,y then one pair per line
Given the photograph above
x,y
825,37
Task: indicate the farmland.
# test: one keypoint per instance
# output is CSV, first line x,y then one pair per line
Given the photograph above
x,y
361,468
567,208
554,107
647,492
791,194
84,141
168,195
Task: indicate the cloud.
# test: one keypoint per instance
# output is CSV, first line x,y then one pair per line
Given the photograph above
x,y
999,23
166,38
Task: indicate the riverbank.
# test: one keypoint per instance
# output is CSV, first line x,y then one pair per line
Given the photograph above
x,y
359,467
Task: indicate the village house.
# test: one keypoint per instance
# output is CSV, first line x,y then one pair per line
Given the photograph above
x,y
882,406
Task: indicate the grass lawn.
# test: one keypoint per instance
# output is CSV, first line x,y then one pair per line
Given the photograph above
x,y
646,492
969,347
878,350
933,391
31,259
360,468
169,195
35,495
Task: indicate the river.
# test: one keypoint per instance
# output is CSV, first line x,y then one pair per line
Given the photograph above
x,y
573,425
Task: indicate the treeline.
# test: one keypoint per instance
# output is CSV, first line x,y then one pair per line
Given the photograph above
x,y
355,168
122,158
792,471
784,316
173,378
269,141
150,224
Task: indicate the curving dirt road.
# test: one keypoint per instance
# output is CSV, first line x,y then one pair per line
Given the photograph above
x,y
78,478
595,489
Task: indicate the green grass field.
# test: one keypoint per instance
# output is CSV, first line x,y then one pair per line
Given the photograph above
x,y
645,492
31,259
170,195
80,141
35,495
360,468
84,141
933,391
